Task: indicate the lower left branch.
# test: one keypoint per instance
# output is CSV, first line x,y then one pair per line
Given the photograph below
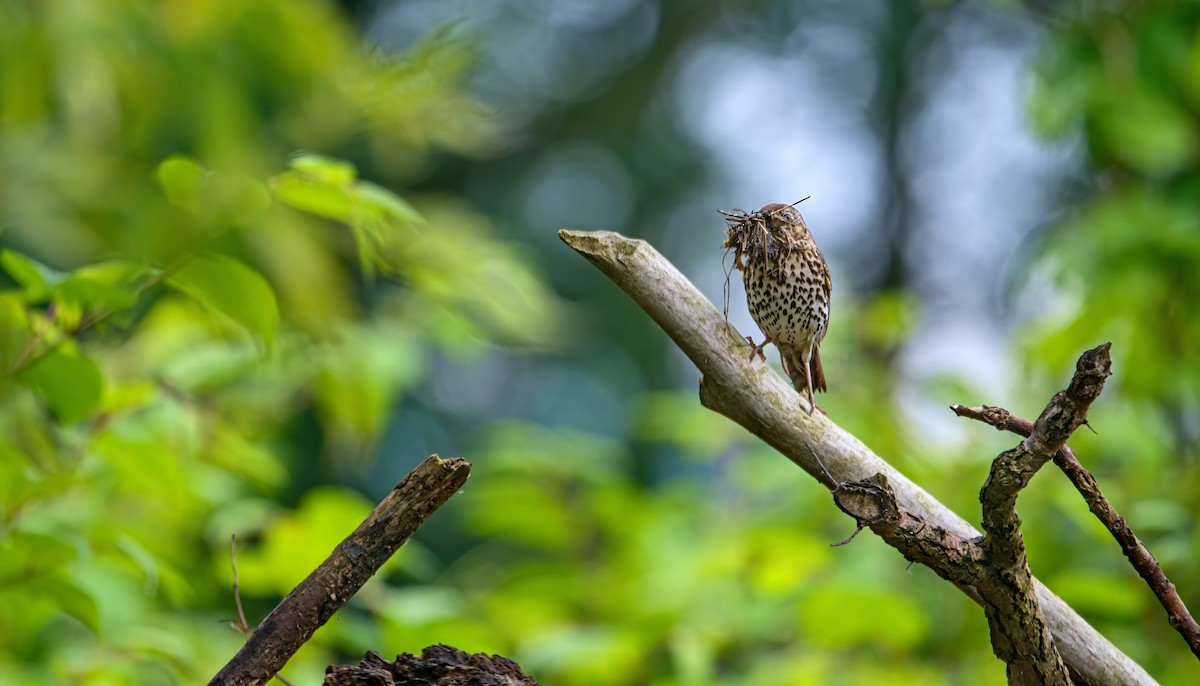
x,y
352,563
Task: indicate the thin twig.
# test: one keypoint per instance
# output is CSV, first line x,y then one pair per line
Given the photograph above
x,y
1138,555
242,625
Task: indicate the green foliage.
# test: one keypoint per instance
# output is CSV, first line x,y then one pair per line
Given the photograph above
x,y
178,297
69,383
1128,255
1126,263
230,288
205,332
296,542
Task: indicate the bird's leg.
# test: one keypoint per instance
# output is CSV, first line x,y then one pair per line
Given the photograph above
x,y
757,350
812,401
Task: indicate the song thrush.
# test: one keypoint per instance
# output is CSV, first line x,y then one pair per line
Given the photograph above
x,y
787,287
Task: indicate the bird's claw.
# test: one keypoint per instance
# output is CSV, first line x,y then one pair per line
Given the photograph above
x,y
757,350
814,407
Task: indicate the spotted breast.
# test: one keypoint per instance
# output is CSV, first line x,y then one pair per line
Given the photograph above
x,y
788,289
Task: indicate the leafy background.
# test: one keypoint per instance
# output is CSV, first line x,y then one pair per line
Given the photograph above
x,y
260,258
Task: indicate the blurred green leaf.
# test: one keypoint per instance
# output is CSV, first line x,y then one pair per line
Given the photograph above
x,y
837,616
34,278
678,418
328,188
361,376
542,521
241,456
232,289
325,170
416,605
457,263
182,181
383,203
1092,592
1147,131
297,542
27,554
100,287
69,382
230,197
314,195
785,560
524,448
595,654
73,599
15,323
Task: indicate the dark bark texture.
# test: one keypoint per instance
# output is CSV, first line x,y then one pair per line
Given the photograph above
x,y
438,665
352,563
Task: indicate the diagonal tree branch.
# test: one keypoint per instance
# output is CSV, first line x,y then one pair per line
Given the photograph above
x,y
348,567
765,404
1139,556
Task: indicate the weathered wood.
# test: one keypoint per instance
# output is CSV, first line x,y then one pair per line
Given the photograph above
x,y
761,401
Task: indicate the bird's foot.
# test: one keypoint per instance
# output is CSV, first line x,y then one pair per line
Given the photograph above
x,y
813,406
757,350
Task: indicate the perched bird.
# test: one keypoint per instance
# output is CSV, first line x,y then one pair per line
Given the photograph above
x,y
787,287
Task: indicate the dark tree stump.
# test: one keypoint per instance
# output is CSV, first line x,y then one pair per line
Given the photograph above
x,y
438,665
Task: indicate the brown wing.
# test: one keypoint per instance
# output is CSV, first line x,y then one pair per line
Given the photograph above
x,y
793,366
818,372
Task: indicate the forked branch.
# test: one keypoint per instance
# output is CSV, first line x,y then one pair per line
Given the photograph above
x,y
1138,555
766,405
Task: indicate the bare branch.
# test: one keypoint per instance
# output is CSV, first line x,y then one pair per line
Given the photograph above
x,y
872,503
1138,555
352,563
1019,632
762,402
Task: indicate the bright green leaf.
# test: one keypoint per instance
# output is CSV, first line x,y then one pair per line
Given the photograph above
x,y
100,287
302,193
232,289
182,181
70,383
325,169
33,278
387,203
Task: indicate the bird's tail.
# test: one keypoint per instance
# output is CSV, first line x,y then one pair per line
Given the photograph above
x,y
793,364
